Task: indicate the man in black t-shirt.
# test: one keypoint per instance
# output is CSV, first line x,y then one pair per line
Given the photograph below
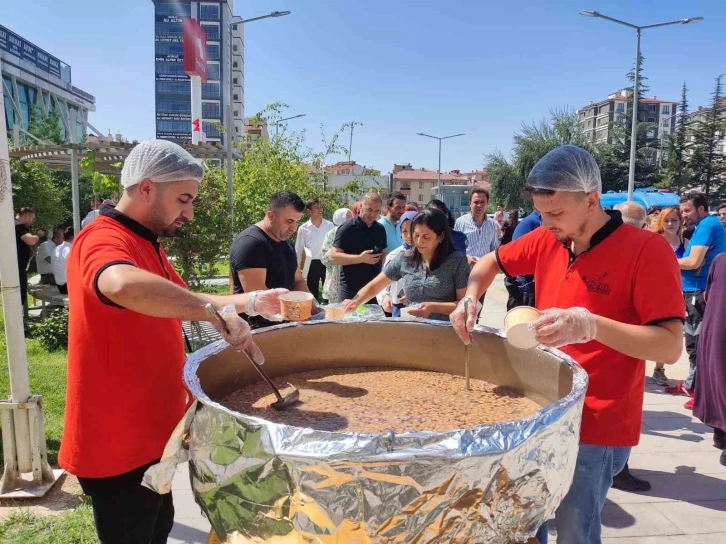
x,y
360,246
261,257
23,240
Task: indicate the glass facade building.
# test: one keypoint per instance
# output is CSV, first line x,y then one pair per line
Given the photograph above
x,y
173,88
35,82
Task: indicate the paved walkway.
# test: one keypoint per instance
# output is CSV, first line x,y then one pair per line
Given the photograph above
x,y
687,504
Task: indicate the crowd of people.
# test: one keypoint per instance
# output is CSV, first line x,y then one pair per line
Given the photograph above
x,y
615,288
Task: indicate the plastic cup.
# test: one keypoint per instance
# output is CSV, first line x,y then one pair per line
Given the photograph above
x,y
516,324
334,311
406,312
296,306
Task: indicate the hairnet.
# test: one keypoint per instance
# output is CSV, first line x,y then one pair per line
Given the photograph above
x,y
159,161
566,168
340,215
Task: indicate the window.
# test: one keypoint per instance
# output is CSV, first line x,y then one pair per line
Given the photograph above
x,y
210,91
168,30
420,184
236,129
235,65
234,48
652,108
464,201
170,68
236,113
620,107
211,110
213,51
235,81
235,97
420,198
211,30
164,49
651,120
211,130
209,12
172,87
180,10
172,106
213,71
667,123
666,110
174,126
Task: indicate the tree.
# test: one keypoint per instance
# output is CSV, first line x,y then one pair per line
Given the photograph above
x,y
707,162
46,127
507,177
37,186
676,172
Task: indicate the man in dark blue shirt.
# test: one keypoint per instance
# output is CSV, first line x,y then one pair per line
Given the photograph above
x,y
521,290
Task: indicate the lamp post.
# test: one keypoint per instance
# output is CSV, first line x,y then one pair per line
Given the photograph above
x,y
634,129
439,138
277,123
230,126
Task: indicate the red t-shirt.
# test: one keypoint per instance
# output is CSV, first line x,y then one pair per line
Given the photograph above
x,y
628,275
125,391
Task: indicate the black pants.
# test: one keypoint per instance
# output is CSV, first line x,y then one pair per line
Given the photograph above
x,y
127,513
695,308
316,275
514,291
63,289
47,279
23,277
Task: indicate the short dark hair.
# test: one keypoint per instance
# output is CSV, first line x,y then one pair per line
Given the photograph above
x,y
282,199
437,221
26,210
699,200
721,207
310,203
396,195
478,191
57,231
538,192
70,232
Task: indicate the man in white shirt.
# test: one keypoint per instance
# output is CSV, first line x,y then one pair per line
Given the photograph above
x,y
45,253
482,235
59,260
95,207
311,237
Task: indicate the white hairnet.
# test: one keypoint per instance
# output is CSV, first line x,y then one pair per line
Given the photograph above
x,y
340,216
566,168
159,161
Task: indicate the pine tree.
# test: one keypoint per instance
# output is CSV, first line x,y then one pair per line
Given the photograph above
x,y
707,161
676,165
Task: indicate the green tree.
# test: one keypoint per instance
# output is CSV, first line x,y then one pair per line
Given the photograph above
x,y
676,171
37,186
706,161
508,177
46,127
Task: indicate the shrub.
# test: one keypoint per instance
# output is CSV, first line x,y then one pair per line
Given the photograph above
x,y
52,332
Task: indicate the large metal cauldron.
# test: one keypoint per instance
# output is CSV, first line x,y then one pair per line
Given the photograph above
x,y
262,482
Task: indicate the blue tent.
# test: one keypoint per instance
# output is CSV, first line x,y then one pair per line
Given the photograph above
x,y
648,198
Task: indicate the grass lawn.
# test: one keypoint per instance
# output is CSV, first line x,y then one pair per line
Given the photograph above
x,y
75,527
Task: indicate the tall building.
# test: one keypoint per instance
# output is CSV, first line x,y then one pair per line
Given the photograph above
x,y
33,78
598,118
173,89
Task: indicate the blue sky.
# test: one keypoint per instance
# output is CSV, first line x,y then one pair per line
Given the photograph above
x,y
442,67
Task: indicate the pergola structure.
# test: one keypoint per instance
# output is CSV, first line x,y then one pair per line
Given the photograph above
x,y
108,159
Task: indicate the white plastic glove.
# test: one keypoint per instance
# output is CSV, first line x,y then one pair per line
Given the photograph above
x,y
238,333
266,304
464,322
558,327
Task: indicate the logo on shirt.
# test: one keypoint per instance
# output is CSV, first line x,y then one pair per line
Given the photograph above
x,y
597,284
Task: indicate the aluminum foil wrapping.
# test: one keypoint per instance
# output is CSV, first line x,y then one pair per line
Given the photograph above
x,y
258,481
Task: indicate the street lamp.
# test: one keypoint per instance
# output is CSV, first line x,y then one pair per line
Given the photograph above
x,y
277,123
230,128
439,138
634,129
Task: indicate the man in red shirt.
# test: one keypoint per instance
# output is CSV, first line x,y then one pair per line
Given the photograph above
x,y
125,350
611,297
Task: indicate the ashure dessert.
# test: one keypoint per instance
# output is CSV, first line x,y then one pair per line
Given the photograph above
x,y
375,400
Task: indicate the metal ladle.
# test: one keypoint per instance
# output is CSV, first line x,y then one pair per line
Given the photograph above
x,y
282,402
466,347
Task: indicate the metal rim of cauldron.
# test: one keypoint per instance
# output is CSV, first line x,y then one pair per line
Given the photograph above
x,y
365,445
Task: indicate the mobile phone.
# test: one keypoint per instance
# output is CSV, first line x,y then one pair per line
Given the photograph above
x,y
377,250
